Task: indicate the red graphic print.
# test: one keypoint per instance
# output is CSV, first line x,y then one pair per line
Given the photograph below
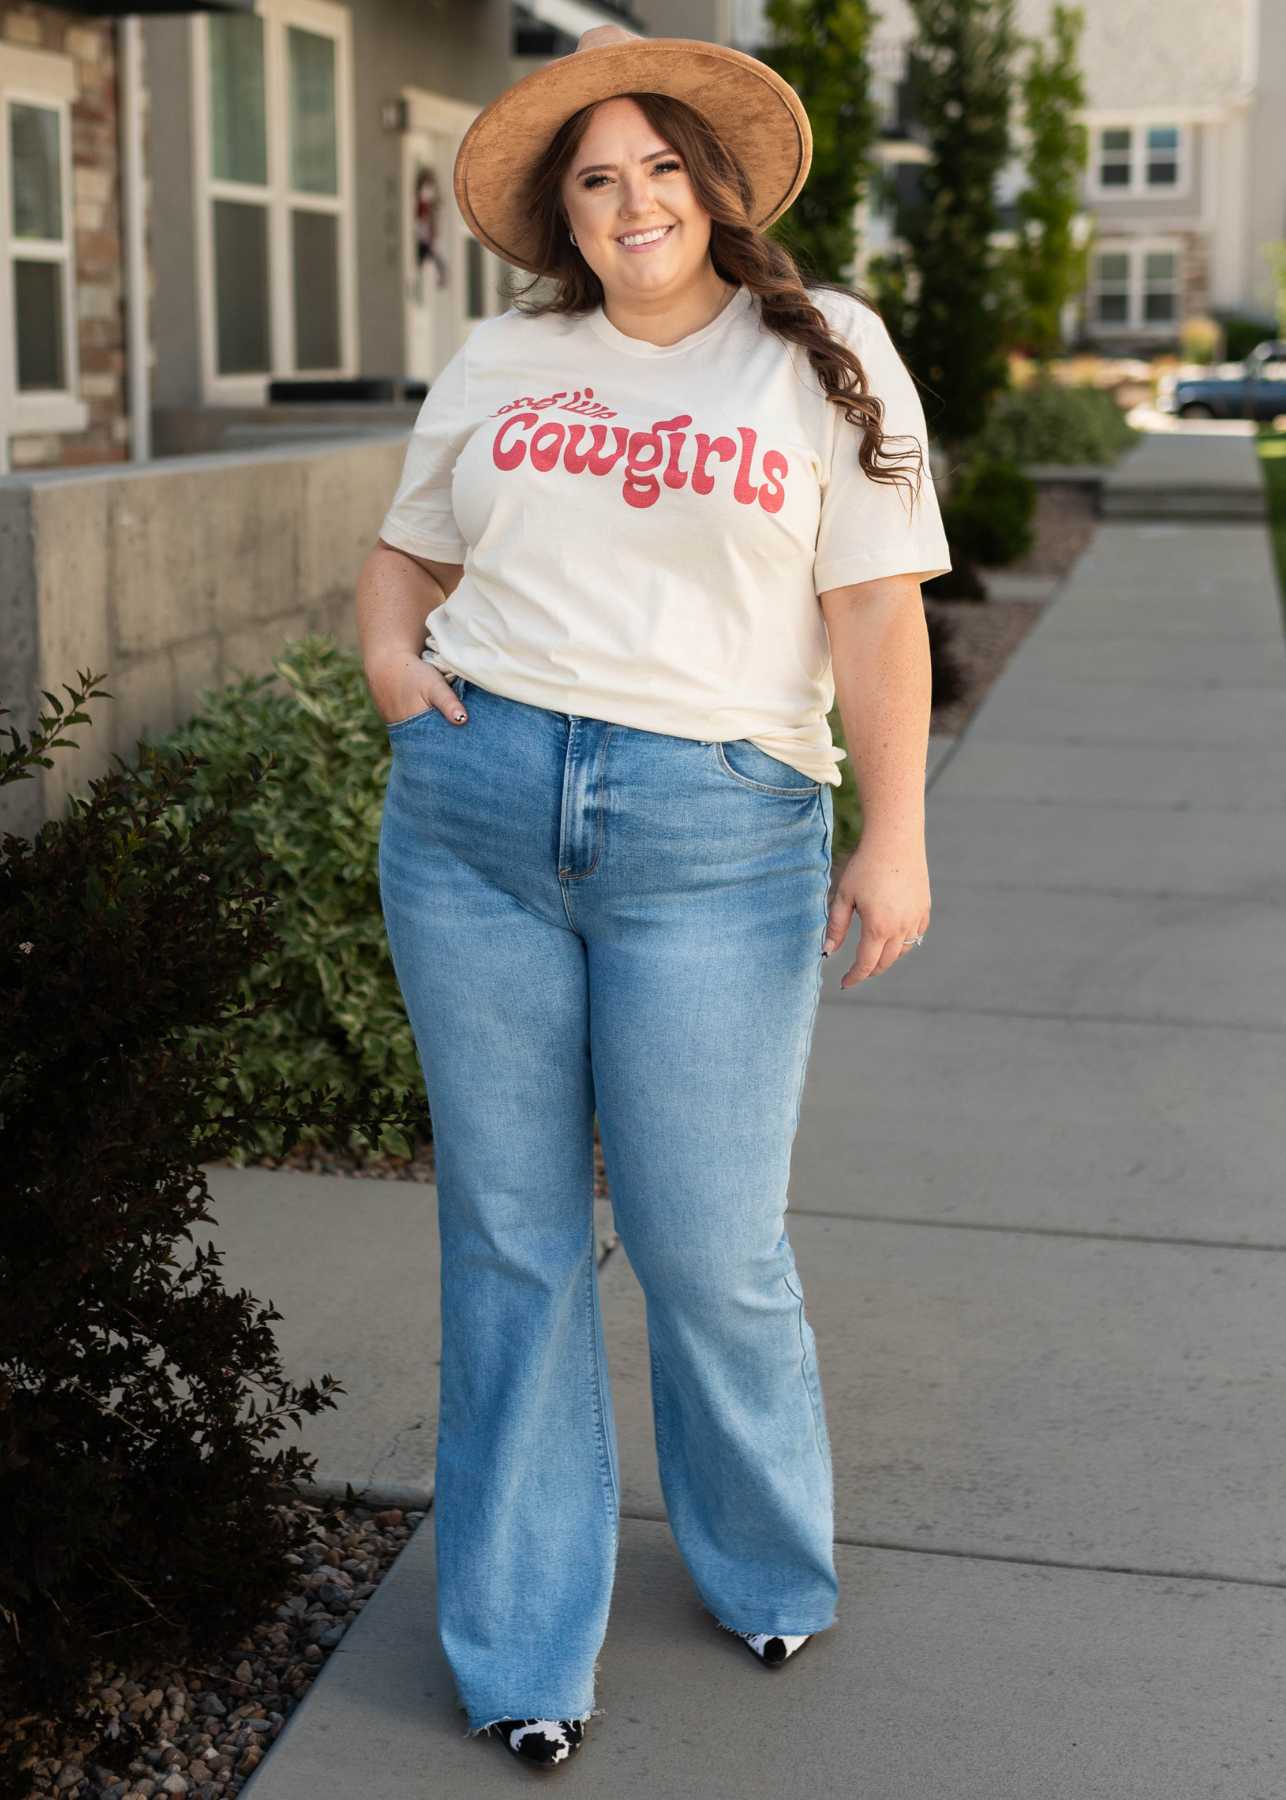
x,y
651,457
721,447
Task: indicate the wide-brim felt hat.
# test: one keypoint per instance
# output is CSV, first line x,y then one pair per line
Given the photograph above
x,y
752,110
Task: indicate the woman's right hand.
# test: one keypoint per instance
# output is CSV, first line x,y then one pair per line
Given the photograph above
x,y
402,686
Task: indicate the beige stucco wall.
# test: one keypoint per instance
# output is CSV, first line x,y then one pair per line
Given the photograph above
x,y
170,578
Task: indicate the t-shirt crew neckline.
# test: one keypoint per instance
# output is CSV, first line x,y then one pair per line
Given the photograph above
x,y
602,327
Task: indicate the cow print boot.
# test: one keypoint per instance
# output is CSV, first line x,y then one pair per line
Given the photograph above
x,y
771,1649
541,1743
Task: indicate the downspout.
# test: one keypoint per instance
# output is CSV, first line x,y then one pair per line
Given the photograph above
x,y
138,346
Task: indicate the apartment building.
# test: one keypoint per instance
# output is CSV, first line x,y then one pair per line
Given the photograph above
x,y
1186,113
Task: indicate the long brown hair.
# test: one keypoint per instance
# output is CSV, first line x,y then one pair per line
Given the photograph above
x,y
740,254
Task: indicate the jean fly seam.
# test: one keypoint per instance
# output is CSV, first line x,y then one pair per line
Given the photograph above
x,y
581,874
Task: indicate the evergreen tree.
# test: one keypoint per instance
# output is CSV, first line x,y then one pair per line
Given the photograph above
x,y
961,81
819,47
1050,264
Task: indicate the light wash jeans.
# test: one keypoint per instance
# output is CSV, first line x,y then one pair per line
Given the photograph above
x,y
589,918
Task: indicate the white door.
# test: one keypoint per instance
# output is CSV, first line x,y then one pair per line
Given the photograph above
x,y
450,281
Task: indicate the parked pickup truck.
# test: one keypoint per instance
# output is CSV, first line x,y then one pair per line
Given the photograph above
x,y
1255,389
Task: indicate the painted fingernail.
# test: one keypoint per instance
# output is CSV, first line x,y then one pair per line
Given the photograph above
x,y
460,718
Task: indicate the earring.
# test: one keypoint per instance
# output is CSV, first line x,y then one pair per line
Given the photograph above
x,y
572,235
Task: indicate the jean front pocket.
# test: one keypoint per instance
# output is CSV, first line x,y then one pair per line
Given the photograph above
x,y
751,767
415,719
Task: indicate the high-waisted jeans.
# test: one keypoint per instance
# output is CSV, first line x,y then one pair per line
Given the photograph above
x,y
590,919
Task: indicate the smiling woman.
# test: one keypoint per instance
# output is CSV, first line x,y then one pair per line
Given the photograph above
x,y
650,524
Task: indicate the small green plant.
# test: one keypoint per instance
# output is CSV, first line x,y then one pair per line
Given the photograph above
x,y
313,819
988,517
1052,424
1199,339
144,1498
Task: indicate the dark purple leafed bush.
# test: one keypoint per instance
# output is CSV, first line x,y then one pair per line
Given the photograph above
x,y
141,1480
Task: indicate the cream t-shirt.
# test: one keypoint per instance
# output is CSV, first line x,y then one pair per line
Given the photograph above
x,y
645,529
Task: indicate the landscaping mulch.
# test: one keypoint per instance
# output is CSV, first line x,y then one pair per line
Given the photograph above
x,y
983,637
1062,526
152,1732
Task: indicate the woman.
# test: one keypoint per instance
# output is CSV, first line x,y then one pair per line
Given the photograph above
x,y
645,519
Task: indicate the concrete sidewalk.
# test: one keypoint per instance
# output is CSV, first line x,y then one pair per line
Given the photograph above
x,y
1038,1209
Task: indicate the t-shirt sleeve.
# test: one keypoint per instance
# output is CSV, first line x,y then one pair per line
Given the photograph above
x,y
870,529
421,519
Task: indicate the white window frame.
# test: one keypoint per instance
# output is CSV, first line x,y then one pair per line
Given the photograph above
x,y
327,20
1137,250
46,79
1138,188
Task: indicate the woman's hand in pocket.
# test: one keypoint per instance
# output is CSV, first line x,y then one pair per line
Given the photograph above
x,y
402,686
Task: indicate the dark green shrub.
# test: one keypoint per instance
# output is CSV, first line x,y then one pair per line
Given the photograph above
x,y
988,517
141,1487
1051,424
314,817
1240,336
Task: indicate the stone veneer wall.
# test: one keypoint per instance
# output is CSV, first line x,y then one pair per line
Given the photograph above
x,y
171,577
100,322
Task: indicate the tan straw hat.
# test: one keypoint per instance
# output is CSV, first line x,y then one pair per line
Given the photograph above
x,y
756,114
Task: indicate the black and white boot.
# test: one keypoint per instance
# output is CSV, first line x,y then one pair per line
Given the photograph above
x,y
771,1648
541,1743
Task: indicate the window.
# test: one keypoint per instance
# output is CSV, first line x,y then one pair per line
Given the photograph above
x,y
1112,288
1132,160
37,279
1160,287
1137,288
1115,158
278,286
1162,167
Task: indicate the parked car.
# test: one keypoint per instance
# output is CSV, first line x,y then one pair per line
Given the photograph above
x,y
1255,389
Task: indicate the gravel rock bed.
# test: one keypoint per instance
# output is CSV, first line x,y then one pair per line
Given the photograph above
x,y
983,638
152,1732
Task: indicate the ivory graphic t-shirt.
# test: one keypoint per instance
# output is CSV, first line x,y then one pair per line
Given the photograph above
x,y
645,530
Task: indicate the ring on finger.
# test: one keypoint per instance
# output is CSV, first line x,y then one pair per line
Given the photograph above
x,y
909,943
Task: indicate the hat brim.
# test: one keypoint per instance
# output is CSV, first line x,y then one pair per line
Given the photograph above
x,y
753,111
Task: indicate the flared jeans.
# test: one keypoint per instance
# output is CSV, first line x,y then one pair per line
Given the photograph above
x,y
587,919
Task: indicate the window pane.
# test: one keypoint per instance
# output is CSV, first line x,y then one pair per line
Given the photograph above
x,y
1163,137
315,239
1163,174
1114,158
1158,308
1113,267
314,162
1114,309
474,281
37,173
238,133
241,288
1159,265
38,315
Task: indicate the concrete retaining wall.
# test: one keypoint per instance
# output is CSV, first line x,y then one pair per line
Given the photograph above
x,y
169,578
